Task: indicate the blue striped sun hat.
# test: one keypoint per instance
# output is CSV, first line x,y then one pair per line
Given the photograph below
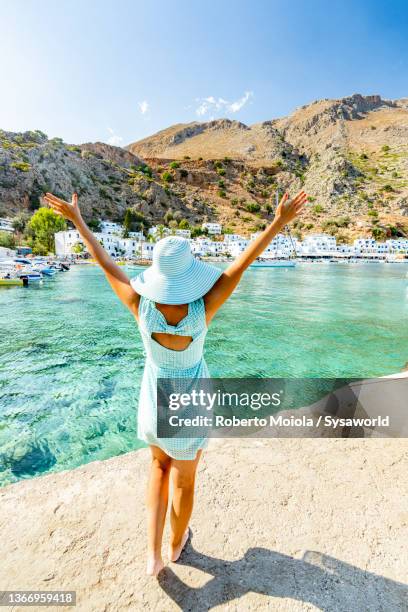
x,y
175,276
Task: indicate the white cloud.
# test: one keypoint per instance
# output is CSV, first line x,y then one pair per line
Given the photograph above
x,y
114,138
236,106
143,106
220,105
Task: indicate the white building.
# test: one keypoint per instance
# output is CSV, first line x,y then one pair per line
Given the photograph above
x,y
212,228
397,245
206,247
129,247
136,235
184,233
156,232
110,242
64,241
232,237
5,225
6,253
281,246
318,244
365,245
236,247
109,227
147,250
166,231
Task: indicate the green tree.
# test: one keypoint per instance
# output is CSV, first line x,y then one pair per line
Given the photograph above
x,y
173,226
78,248
42,226
127,223
168,216
184,224
160,232
19,222
7,240
95,225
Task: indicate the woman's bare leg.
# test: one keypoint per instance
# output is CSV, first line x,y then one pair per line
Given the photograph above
x,y
183,476
157,500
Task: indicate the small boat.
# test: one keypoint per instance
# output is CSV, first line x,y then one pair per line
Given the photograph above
x,y
30,274
43,266
47,270
60,266
13,282
9,276
273,263
23,268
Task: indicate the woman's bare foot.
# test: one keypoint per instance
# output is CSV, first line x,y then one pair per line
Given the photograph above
x,y
175,551
154,566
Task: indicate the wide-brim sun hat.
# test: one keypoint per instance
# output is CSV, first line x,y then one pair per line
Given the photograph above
x,y
175,276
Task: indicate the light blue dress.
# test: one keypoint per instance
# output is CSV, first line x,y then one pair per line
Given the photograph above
x,y
162,362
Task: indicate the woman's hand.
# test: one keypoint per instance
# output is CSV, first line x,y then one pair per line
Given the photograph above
x,y
65,209
118,280
290,209
225,285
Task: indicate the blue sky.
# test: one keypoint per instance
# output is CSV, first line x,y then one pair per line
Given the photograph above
x,y
117,71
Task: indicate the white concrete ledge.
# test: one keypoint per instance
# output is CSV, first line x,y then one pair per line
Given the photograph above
x,y
279,524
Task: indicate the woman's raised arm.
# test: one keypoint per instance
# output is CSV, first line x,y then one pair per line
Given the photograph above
x,y
220,292
118,280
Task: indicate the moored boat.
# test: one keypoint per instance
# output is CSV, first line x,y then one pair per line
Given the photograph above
x,y
12,282
273,263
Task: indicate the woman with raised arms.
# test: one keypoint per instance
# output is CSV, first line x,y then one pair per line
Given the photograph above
x,y
173,302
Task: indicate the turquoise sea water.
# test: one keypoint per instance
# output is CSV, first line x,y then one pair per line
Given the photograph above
x,y
71,357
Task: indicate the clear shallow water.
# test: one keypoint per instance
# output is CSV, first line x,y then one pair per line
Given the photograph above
x,y
71,357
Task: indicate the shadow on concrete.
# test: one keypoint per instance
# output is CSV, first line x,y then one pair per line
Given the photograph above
x,y
318,579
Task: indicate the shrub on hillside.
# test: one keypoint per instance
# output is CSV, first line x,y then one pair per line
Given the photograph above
x,y
167,177
22,166
318,208
253,207
7,240
378,233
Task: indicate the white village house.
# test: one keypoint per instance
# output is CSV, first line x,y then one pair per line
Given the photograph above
x,y
282,246
6,225
212,228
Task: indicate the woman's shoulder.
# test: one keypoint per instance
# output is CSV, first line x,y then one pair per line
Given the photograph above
x,y
197,308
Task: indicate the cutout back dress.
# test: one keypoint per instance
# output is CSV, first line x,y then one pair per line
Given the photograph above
x,y
162,362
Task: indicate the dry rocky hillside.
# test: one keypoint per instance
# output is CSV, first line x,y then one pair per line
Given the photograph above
x,y
350,155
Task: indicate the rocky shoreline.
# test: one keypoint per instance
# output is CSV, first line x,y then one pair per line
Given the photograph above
x,y
278,524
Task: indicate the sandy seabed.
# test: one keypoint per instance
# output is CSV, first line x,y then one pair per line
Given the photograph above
x,y
305,524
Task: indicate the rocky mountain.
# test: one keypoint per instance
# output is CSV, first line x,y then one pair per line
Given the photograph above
x,y
350,155
108,179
